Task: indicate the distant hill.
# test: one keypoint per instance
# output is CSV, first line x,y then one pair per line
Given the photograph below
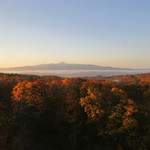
x,y
137,78
63,66
73,70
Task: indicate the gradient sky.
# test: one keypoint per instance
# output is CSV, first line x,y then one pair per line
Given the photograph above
x,y
102,32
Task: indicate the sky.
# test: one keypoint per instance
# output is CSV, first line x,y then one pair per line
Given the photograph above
x,y
101,32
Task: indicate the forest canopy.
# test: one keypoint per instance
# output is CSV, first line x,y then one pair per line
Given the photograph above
x,y
53,113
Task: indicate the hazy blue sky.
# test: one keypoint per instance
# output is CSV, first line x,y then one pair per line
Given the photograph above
x,y
103,32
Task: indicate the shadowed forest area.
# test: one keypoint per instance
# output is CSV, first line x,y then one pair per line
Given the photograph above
x,y
53,113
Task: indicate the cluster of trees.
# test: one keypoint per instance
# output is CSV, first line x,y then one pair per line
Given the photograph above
x,y
52,113
138,78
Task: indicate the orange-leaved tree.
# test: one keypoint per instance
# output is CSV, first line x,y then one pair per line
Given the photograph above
x,y
31,93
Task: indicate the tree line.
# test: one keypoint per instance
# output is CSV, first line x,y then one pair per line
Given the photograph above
x,y
52,113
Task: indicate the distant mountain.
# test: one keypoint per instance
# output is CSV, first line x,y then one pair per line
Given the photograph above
x,y
62,66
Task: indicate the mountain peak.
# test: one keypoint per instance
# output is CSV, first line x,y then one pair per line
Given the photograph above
x,y
63,66
62,63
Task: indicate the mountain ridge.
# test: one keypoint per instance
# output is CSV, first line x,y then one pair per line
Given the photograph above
x,y
63,66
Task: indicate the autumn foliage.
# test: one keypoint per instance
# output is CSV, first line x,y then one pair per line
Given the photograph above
x,y
52,113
